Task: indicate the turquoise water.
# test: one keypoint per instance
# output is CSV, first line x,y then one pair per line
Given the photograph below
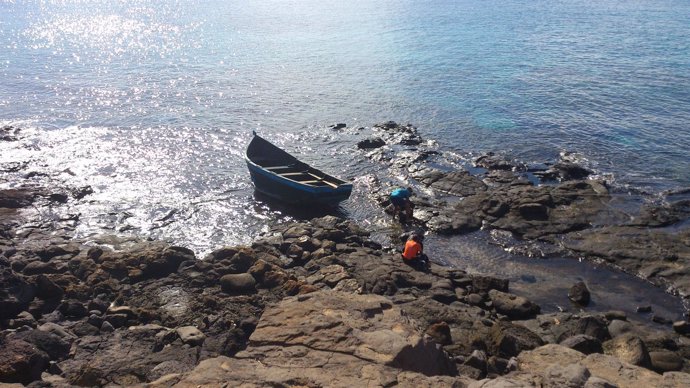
x,y
152,102
157,98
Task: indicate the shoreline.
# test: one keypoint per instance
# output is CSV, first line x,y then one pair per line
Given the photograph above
x,y
159,315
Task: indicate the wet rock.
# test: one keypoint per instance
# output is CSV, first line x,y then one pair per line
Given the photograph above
x,y
486,283
644,309
338,126
16,198
513,306
628,348
661,320
665,214
682,327
665,361
491,161
81,192
579,293
371,143
570,171
459,183
241,283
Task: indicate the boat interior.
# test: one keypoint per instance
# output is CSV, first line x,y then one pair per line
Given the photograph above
x,y
302,174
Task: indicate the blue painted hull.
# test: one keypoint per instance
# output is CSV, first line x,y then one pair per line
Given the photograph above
x,y
288,190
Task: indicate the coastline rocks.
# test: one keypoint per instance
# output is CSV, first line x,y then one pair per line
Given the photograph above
x,y
508,340
375,142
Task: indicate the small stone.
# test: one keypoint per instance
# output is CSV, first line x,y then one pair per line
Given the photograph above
x,y
661,320
242,282
682,327
617,328
190,335
644,309
583,343
579,293
106,327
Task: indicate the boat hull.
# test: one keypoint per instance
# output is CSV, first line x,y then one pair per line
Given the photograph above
x,y
273,180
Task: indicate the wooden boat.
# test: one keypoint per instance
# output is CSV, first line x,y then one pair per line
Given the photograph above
x,y
280,175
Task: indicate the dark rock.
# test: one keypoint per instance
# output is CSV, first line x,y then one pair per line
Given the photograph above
x,y
16,198
571,171
55,346
338,126
491,161
81,192
242,282
58,197
583,344
15,293
661,320
38,267
644,309
371,143
579,293
682,327
47,289
73,309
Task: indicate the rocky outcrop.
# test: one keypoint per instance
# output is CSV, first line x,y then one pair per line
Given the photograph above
x,y
330,338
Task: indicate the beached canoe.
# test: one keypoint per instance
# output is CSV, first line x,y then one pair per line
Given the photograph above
x,y
280,175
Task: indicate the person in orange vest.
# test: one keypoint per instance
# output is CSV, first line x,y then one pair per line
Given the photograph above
x,y
413,253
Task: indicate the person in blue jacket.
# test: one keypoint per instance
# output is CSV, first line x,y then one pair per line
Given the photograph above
x,y
400,198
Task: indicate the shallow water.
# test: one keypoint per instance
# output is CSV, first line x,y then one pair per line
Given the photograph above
x,y
546,281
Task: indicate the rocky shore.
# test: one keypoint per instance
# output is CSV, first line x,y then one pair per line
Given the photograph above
x,y
319,303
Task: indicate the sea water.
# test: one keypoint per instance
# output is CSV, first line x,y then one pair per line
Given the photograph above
x,y
152,103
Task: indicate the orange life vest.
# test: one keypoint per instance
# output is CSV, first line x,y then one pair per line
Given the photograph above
x,y
412,250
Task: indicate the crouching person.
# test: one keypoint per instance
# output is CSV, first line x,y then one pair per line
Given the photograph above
x,y
413,253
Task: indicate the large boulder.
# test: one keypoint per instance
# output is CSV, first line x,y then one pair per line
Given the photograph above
x,y
330,338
